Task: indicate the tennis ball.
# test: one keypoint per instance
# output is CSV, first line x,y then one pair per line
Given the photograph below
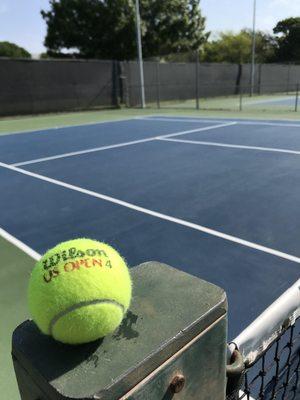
x,y
79,291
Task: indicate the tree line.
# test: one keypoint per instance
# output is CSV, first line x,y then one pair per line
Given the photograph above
x,y
282,47
172,30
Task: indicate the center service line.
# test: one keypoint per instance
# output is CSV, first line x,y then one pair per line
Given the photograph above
x,y
231,146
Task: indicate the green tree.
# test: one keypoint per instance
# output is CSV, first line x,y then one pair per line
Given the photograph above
x,y
180,57
236,48
106,28
11,50
288,39
265,47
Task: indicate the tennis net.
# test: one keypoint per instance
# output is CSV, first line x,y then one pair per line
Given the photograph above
x,y
265,357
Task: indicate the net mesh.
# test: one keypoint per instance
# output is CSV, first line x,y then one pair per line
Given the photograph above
x,y
275,374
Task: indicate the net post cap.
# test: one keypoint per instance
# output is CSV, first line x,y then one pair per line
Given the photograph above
x,y
169,309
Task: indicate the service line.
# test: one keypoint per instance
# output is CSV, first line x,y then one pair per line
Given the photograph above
x,y
124,144
237,121
155,214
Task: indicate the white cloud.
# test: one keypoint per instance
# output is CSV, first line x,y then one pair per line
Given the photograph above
x,y
266,22
286,6
275,10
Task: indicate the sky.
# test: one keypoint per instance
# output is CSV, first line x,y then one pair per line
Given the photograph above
x,y
21,22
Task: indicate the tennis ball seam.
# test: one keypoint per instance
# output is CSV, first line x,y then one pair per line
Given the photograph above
x,y
82,304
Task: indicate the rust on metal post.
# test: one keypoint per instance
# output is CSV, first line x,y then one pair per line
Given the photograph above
x,y
177,383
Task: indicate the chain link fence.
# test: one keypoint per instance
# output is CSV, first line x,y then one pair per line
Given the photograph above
x,y
215,87
42,86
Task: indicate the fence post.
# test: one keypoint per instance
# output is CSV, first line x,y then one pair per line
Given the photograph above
x,y
297,97
288,79
157,85
116,87
238,79
121,78
197,80
260,67
241,98
126,83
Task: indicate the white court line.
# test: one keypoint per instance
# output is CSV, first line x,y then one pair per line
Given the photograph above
x,y
114,146
77,153
206,128
155,214
234,146
187,119
241,393
237,121
22,246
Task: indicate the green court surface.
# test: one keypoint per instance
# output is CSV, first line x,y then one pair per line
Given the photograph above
x,y
14,274
39,122
256,106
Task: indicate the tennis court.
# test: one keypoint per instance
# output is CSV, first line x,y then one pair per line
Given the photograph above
x,y
217,198
282,103
288,101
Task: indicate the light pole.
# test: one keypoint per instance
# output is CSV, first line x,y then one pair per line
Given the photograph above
x,y
140,53
253,50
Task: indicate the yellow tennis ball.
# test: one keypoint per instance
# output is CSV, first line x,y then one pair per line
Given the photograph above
x,y
79,291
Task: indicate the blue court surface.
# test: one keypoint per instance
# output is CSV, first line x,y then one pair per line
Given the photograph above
x,y
219,199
